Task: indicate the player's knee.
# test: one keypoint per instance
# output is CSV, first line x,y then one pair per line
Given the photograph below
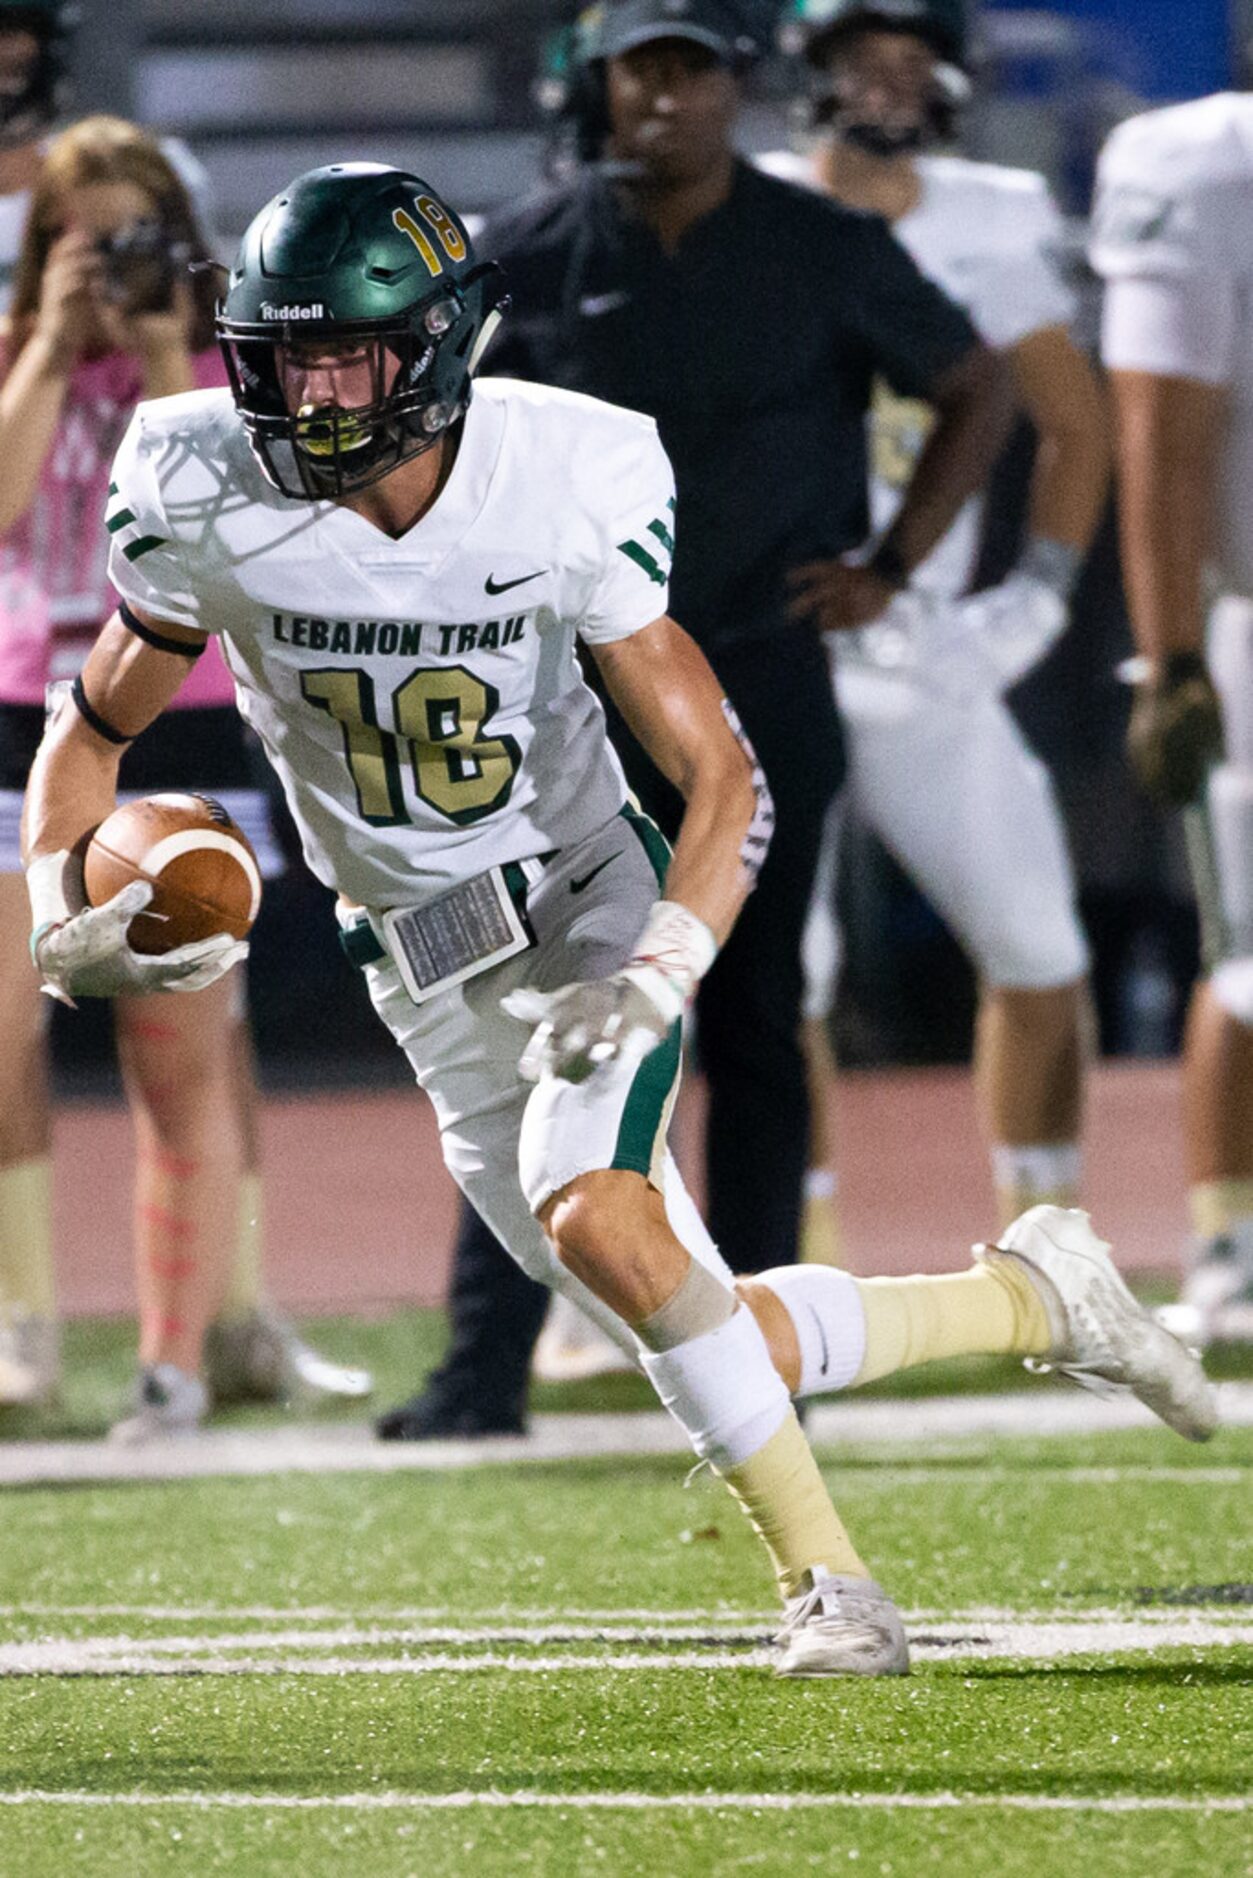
x,y
601,1230
579,1222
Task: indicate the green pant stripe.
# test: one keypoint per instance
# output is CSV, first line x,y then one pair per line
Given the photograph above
x,y
645,1107
646,1104
651,839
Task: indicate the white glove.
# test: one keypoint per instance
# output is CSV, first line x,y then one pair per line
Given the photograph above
x,y
621,1018
962,649
87,955
584,1025
1015,624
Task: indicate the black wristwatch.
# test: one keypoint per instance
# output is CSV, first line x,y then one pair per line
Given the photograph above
x,y
889,564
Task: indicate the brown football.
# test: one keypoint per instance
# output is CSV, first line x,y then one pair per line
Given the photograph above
x,y
201,865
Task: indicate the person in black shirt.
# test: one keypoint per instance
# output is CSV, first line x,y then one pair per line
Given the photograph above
x,y
750,318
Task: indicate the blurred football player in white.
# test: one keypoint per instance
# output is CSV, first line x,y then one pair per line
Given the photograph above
x,y
399,573
938,767
1173,237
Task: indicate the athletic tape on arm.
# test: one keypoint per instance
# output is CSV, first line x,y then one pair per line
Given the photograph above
x,y
756,843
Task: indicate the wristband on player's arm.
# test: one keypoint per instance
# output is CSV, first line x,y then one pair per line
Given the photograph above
x,y
671,956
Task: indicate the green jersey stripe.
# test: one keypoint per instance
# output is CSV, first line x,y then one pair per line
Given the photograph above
x,y
120,520
145,544
643,559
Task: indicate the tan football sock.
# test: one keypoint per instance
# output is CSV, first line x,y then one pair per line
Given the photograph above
x,y
786,1500
244,1293
1216,1206
26,1279
992,1310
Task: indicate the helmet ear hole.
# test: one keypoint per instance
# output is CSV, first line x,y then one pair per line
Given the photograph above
x,y
441,315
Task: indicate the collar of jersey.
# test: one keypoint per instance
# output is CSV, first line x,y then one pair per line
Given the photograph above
x,y
431,542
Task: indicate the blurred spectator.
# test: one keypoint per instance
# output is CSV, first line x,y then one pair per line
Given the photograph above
x,y
105,313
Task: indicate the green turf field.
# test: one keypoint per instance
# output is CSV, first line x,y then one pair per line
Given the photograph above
x,y
562,1668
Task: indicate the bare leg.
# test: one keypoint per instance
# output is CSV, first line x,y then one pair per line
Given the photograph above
x,y
28,1355
1029,1055
176,1063
1217,1093
710,1364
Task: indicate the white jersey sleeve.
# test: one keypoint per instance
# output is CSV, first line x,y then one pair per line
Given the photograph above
x,y
635,514
1172,192
1171,227
145,561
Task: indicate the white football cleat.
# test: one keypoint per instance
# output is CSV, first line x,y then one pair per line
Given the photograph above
x,y
30,1359
840,1626
260,1357
572,1347
1102,1338
169,1404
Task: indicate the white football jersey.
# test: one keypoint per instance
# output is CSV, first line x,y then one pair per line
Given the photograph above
x,y
420,698
991,237
1173,238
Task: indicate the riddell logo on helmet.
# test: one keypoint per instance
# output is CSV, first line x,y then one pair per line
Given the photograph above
x,y
315,311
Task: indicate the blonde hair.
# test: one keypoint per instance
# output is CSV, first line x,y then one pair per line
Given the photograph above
x,y
105,149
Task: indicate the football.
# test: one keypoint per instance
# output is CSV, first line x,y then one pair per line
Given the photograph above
x,y
200,863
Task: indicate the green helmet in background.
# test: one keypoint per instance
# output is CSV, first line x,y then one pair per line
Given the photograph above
x,y
943,23
362,259
31,100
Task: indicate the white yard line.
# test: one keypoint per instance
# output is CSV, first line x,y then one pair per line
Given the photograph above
x,y
345,1651
643,1802
557,1621
334,1448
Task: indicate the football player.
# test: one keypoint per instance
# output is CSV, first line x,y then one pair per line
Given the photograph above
x,y
399,573
1173,235
938,767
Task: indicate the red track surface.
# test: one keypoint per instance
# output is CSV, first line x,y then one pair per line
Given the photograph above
x,y
360,1213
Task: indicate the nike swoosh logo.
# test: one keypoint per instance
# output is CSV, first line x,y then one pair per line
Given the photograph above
x,y
592,305
826,1354
503,586
577,886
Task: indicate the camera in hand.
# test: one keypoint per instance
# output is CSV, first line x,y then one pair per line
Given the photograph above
x,y
142,262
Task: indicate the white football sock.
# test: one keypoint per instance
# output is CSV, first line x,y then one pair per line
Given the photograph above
x,y
723,1389
829,1319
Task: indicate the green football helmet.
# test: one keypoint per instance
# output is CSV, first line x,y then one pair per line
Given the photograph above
x,y
32,100
818,23
362,259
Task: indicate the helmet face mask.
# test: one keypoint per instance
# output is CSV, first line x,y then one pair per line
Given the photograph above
x,y
354,320
890,93
839,39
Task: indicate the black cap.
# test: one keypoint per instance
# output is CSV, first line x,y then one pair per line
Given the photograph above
x,y
624,24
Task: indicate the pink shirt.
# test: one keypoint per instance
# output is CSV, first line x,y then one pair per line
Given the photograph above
x,y
54,586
